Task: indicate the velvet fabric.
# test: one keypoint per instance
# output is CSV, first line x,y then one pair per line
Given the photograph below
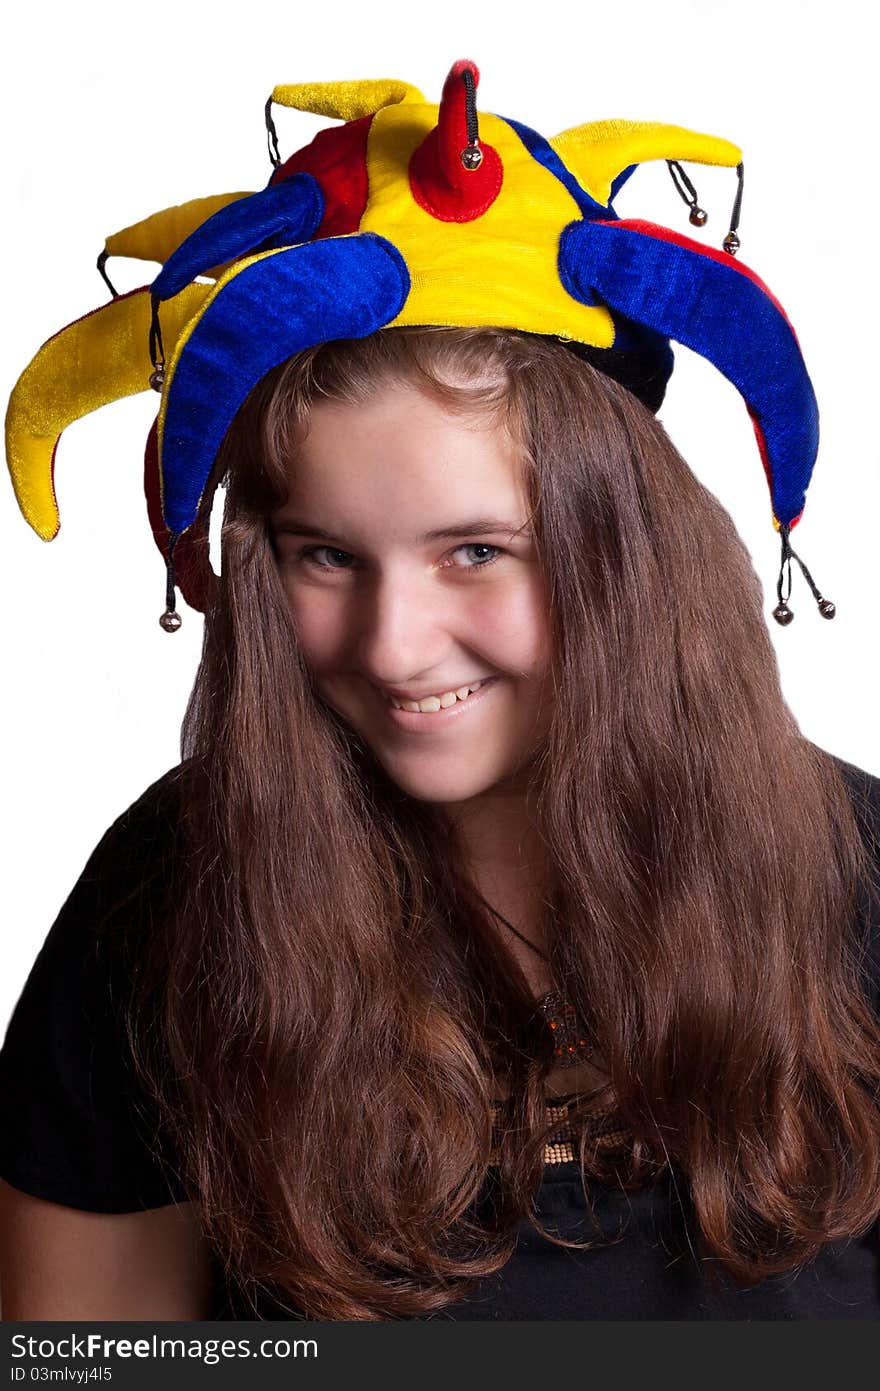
x,y
294,295
281,215
337,160
719,308
527,240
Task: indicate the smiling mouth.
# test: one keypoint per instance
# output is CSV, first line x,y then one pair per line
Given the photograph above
x,y
444,701
437,717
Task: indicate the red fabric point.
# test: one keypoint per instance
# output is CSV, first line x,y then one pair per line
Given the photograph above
x,y
192,564
337,158
439,181
762,447
765,460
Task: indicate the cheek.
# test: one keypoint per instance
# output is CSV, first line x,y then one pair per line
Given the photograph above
x,y
510,625
519,626
317,623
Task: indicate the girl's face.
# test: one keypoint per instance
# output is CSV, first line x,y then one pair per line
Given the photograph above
x,y
397,552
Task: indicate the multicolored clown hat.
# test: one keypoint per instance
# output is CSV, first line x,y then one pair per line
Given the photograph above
x,y
411,213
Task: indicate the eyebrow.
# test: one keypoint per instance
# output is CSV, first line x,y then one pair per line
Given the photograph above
x,y
481,525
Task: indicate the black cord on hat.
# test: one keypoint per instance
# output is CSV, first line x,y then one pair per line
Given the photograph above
x,y
698,216
782,613
732,242
157,351
471,155
102,261
170,620
272,135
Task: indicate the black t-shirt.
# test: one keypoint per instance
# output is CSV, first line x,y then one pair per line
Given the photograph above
x,y
77,1129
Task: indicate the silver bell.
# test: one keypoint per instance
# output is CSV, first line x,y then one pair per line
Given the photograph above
x,y
157,379
698,217
170,621
732,243
826,608
472,157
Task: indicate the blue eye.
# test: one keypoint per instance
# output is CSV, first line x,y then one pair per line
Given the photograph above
x,y
480,546
309,554
310,551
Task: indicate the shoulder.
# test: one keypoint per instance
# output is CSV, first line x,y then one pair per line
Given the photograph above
x,y
147,832
123,887
864,790
134,867
118,909
75,1126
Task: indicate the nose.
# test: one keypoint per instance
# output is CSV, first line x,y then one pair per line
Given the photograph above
x,y
403,629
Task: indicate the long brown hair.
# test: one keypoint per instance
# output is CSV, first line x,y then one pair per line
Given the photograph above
x,y
334,1001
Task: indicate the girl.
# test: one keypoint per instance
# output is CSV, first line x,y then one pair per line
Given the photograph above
x,y
471,964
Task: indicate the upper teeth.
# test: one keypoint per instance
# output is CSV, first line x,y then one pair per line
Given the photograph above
x,y
436,702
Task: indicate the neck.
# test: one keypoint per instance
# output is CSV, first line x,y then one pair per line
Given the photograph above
x,y
518,922
497,837
503,858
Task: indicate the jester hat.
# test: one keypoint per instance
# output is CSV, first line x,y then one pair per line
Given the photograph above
x,y
411,213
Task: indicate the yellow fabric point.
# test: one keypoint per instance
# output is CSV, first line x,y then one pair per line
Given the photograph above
x,y
346,100
479,243
154,238
600,150
96,360
500,268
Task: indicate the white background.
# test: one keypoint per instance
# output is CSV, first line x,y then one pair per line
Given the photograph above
x,y
111,111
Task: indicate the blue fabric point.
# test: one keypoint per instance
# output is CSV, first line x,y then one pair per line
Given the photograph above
x,y
281,215
295,297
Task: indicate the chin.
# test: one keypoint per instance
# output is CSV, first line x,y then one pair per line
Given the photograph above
x,y
442,790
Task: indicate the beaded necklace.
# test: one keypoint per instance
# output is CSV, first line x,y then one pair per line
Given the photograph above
x,y
571,1045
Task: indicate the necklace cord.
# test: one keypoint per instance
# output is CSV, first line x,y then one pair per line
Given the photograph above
x,y
513,929
557,1011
